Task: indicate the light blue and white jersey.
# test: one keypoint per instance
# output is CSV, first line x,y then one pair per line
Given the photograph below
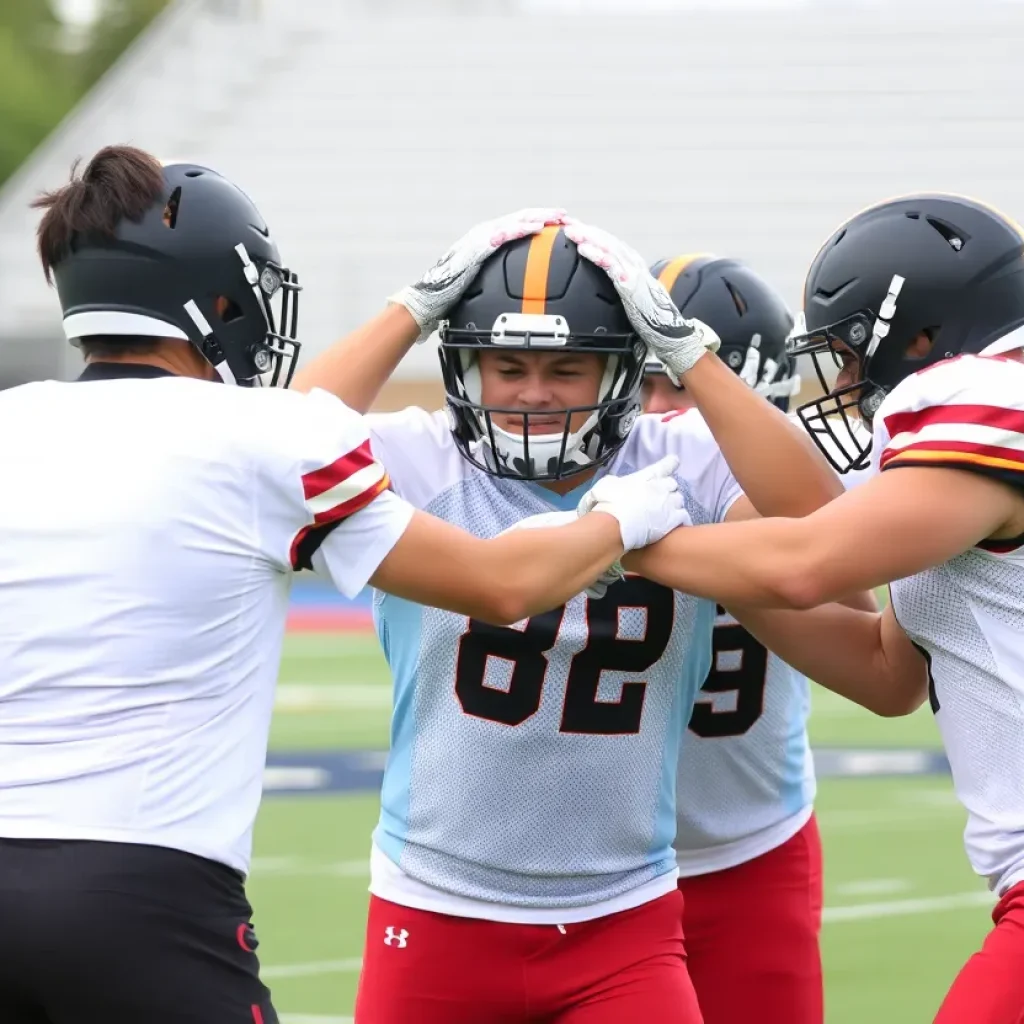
x,y
746,780
532,768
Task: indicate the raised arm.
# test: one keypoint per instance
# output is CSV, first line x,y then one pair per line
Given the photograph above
x,y
356,368
781,471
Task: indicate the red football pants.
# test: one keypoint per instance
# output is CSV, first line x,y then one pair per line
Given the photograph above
x,y
990,987
425,968
752,936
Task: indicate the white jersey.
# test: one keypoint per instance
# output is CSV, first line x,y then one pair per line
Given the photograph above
x,y
968,614
532,768
150,527
746,775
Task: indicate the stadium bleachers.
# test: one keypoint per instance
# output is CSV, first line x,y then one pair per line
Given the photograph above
x,y
370,133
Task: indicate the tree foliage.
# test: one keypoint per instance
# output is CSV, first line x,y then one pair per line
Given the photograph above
x,y
42,77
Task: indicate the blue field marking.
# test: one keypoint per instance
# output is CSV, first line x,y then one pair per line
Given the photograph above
x,y
361,771
324,771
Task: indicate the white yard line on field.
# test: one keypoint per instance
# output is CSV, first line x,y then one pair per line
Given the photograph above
x,y
311,969
262,867
898,819
873,887
903,908
305,697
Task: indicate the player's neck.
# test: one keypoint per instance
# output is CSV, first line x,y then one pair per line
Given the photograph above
x,y
181,360
570,484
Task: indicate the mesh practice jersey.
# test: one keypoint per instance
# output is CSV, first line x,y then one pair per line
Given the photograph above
x,y
968,614
746,774
532,767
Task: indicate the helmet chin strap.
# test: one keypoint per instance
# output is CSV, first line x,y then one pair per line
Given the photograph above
x,y
220,367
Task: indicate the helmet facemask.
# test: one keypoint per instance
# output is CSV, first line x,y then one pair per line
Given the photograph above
x,y
837,420
769,378
550,456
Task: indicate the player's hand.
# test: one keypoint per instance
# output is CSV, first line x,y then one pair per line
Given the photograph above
x,y
447,280
600,586
676,341
647,504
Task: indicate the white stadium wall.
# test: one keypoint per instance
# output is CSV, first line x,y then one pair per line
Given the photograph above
x,y
370,134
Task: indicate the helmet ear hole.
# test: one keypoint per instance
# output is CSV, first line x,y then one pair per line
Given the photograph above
x,y
956,239
922,345
734,293
227,309
170,217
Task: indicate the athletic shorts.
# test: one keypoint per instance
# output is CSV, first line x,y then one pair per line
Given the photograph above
x,y
752,936
990,987
111,933
421,967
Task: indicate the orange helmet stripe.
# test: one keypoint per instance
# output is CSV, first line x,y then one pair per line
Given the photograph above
x,y
670,274
538,262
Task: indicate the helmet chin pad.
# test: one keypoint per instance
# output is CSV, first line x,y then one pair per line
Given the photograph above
x,y
538,455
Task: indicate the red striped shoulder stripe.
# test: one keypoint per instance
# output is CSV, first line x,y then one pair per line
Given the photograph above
x,y
997,416
324,522
321,480
953,452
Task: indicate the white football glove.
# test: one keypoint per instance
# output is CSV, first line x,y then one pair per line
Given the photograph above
x,y
447,280
600,586
676,341
647,503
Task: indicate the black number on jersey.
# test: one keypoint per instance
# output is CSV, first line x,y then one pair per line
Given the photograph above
x,y
527,651
747,680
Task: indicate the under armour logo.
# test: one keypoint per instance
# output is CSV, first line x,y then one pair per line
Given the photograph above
x,y
393,938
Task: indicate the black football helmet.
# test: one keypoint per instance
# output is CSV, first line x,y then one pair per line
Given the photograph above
x,y
162,277
943,266
748,315
538,294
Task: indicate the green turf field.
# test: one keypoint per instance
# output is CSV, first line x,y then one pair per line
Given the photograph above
x,y
903,908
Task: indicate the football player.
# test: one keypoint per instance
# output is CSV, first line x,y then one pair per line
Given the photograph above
x,y
919,304
522,869
747,842
152,521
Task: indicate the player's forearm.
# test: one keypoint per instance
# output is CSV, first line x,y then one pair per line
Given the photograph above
x,y
776,463
848,652
539,569
759,564
360,364
502,580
